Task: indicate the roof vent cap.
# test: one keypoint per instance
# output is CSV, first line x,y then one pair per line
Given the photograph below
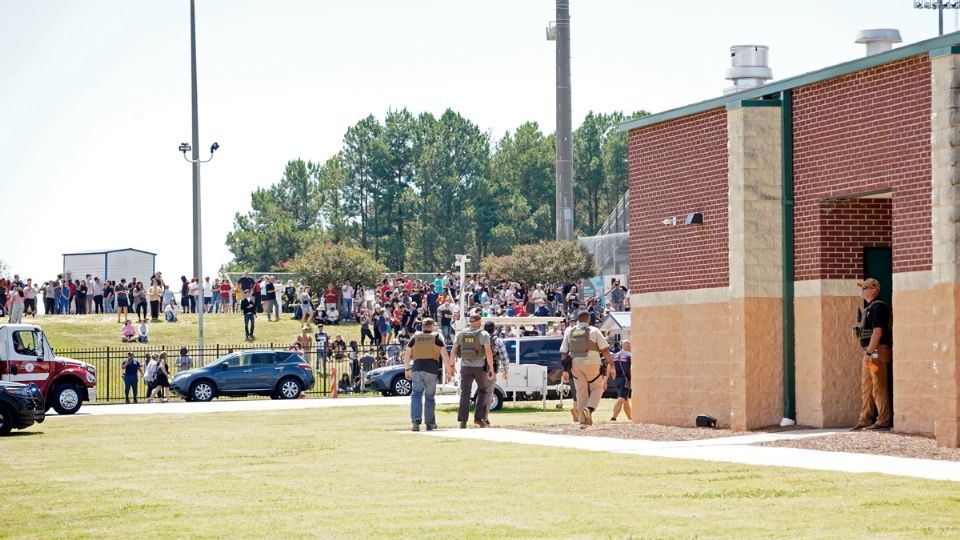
x,y
878,40
748,67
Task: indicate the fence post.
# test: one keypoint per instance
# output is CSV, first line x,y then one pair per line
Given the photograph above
x,y
108,375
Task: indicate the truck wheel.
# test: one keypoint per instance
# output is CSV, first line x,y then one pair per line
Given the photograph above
x,y
401,386
202,390
6,419
496,400
289,388
66,399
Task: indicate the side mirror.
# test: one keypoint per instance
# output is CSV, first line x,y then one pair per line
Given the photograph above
x,y
224,366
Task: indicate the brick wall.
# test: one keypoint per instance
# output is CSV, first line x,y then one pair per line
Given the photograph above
x,y
844,229
865,131
676,168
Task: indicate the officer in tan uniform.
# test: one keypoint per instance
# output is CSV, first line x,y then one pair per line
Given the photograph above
x,y
476,365
873,330
584,348
426,350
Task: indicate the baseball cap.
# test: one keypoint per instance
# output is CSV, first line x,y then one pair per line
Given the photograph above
x,y
475,316
428,321
869,282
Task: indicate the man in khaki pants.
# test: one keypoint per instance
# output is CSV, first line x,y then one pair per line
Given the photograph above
x,y
583,347
873,328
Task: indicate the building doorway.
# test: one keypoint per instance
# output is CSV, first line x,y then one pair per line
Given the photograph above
x,y
878,264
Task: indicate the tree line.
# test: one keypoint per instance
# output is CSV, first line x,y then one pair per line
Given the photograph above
x,y
414,190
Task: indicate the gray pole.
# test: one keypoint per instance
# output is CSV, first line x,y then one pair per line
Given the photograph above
x,y
564,126
940,11
197,250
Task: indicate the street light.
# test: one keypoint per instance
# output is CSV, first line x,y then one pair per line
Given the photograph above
x,y
196,161
938,5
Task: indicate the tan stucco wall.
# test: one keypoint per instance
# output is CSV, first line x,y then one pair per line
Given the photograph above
x,y
827,356
681,361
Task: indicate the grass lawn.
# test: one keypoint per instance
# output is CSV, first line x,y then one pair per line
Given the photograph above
x,y
347,473
84,331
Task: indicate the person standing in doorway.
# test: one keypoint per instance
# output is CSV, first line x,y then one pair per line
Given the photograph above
x,y
476,365
873,330
584,348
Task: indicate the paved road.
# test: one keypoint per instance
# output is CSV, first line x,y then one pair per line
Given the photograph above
x,y
183,407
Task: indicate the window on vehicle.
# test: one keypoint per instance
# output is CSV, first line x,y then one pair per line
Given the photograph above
x,y
262,358
233,361
25,342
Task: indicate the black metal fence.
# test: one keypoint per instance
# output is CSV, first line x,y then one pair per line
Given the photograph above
x,y
344,368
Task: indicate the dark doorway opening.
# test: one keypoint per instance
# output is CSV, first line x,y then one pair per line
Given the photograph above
x,y
878,264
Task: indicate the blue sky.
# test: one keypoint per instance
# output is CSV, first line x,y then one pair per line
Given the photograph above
x,y
95,94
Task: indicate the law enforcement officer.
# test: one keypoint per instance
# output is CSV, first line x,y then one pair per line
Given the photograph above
x,y
584,348
426,349
873,329
476,365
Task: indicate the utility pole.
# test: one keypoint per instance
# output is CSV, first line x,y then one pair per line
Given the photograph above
x,y
462,261
559,31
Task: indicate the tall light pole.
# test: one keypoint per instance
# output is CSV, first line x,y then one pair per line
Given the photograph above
x,y
184,147
559,31
462,261
938,5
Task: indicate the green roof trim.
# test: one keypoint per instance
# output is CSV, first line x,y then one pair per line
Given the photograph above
x,y
944,51
753,103
940,45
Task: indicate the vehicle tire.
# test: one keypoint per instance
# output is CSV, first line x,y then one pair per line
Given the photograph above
x,y
289,388
496,400
66,398
401,386
6,419
202,390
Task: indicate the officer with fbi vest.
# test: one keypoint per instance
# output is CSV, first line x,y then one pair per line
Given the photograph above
x,y
476,365
584,348
426,350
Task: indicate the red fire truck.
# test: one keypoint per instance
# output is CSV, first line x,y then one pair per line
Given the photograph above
x,y
26,357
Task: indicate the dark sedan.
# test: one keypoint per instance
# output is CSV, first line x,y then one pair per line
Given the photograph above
x,y
278,374
21,405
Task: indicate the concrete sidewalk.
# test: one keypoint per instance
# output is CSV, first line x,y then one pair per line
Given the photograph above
x,y
735,449
227,405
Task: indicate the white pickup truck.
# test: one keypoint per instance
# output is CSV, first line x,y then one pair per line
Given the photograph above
x,y
27,357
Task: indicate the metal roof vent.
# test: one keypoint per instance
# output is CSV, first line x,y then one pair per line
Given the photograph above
x,y
748,67
878,40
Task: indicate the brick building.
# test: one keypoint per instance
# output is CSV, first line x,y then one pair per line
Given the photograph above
x,y
805,185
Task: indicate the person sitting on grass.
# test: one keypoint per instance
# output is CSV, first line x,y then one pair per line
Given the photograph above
x,y
171,311
144,330
129,333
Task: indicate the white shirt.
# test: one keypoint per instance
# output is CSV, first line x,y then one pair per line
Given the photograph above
x,y
347,292
593,357
207,289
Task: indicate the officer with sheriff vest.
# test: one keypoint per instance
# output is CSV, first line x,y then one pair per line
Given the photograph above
x,y
426,349
584,348
476,365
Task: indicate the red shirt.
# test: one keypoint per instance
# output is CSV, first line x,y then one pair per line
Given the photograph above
x,y
519,310
385,292
225,290
330,296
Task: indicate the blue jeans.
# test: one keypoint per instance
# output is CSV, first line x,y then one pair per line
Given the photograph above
x,y
130,385
424,391
347,309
